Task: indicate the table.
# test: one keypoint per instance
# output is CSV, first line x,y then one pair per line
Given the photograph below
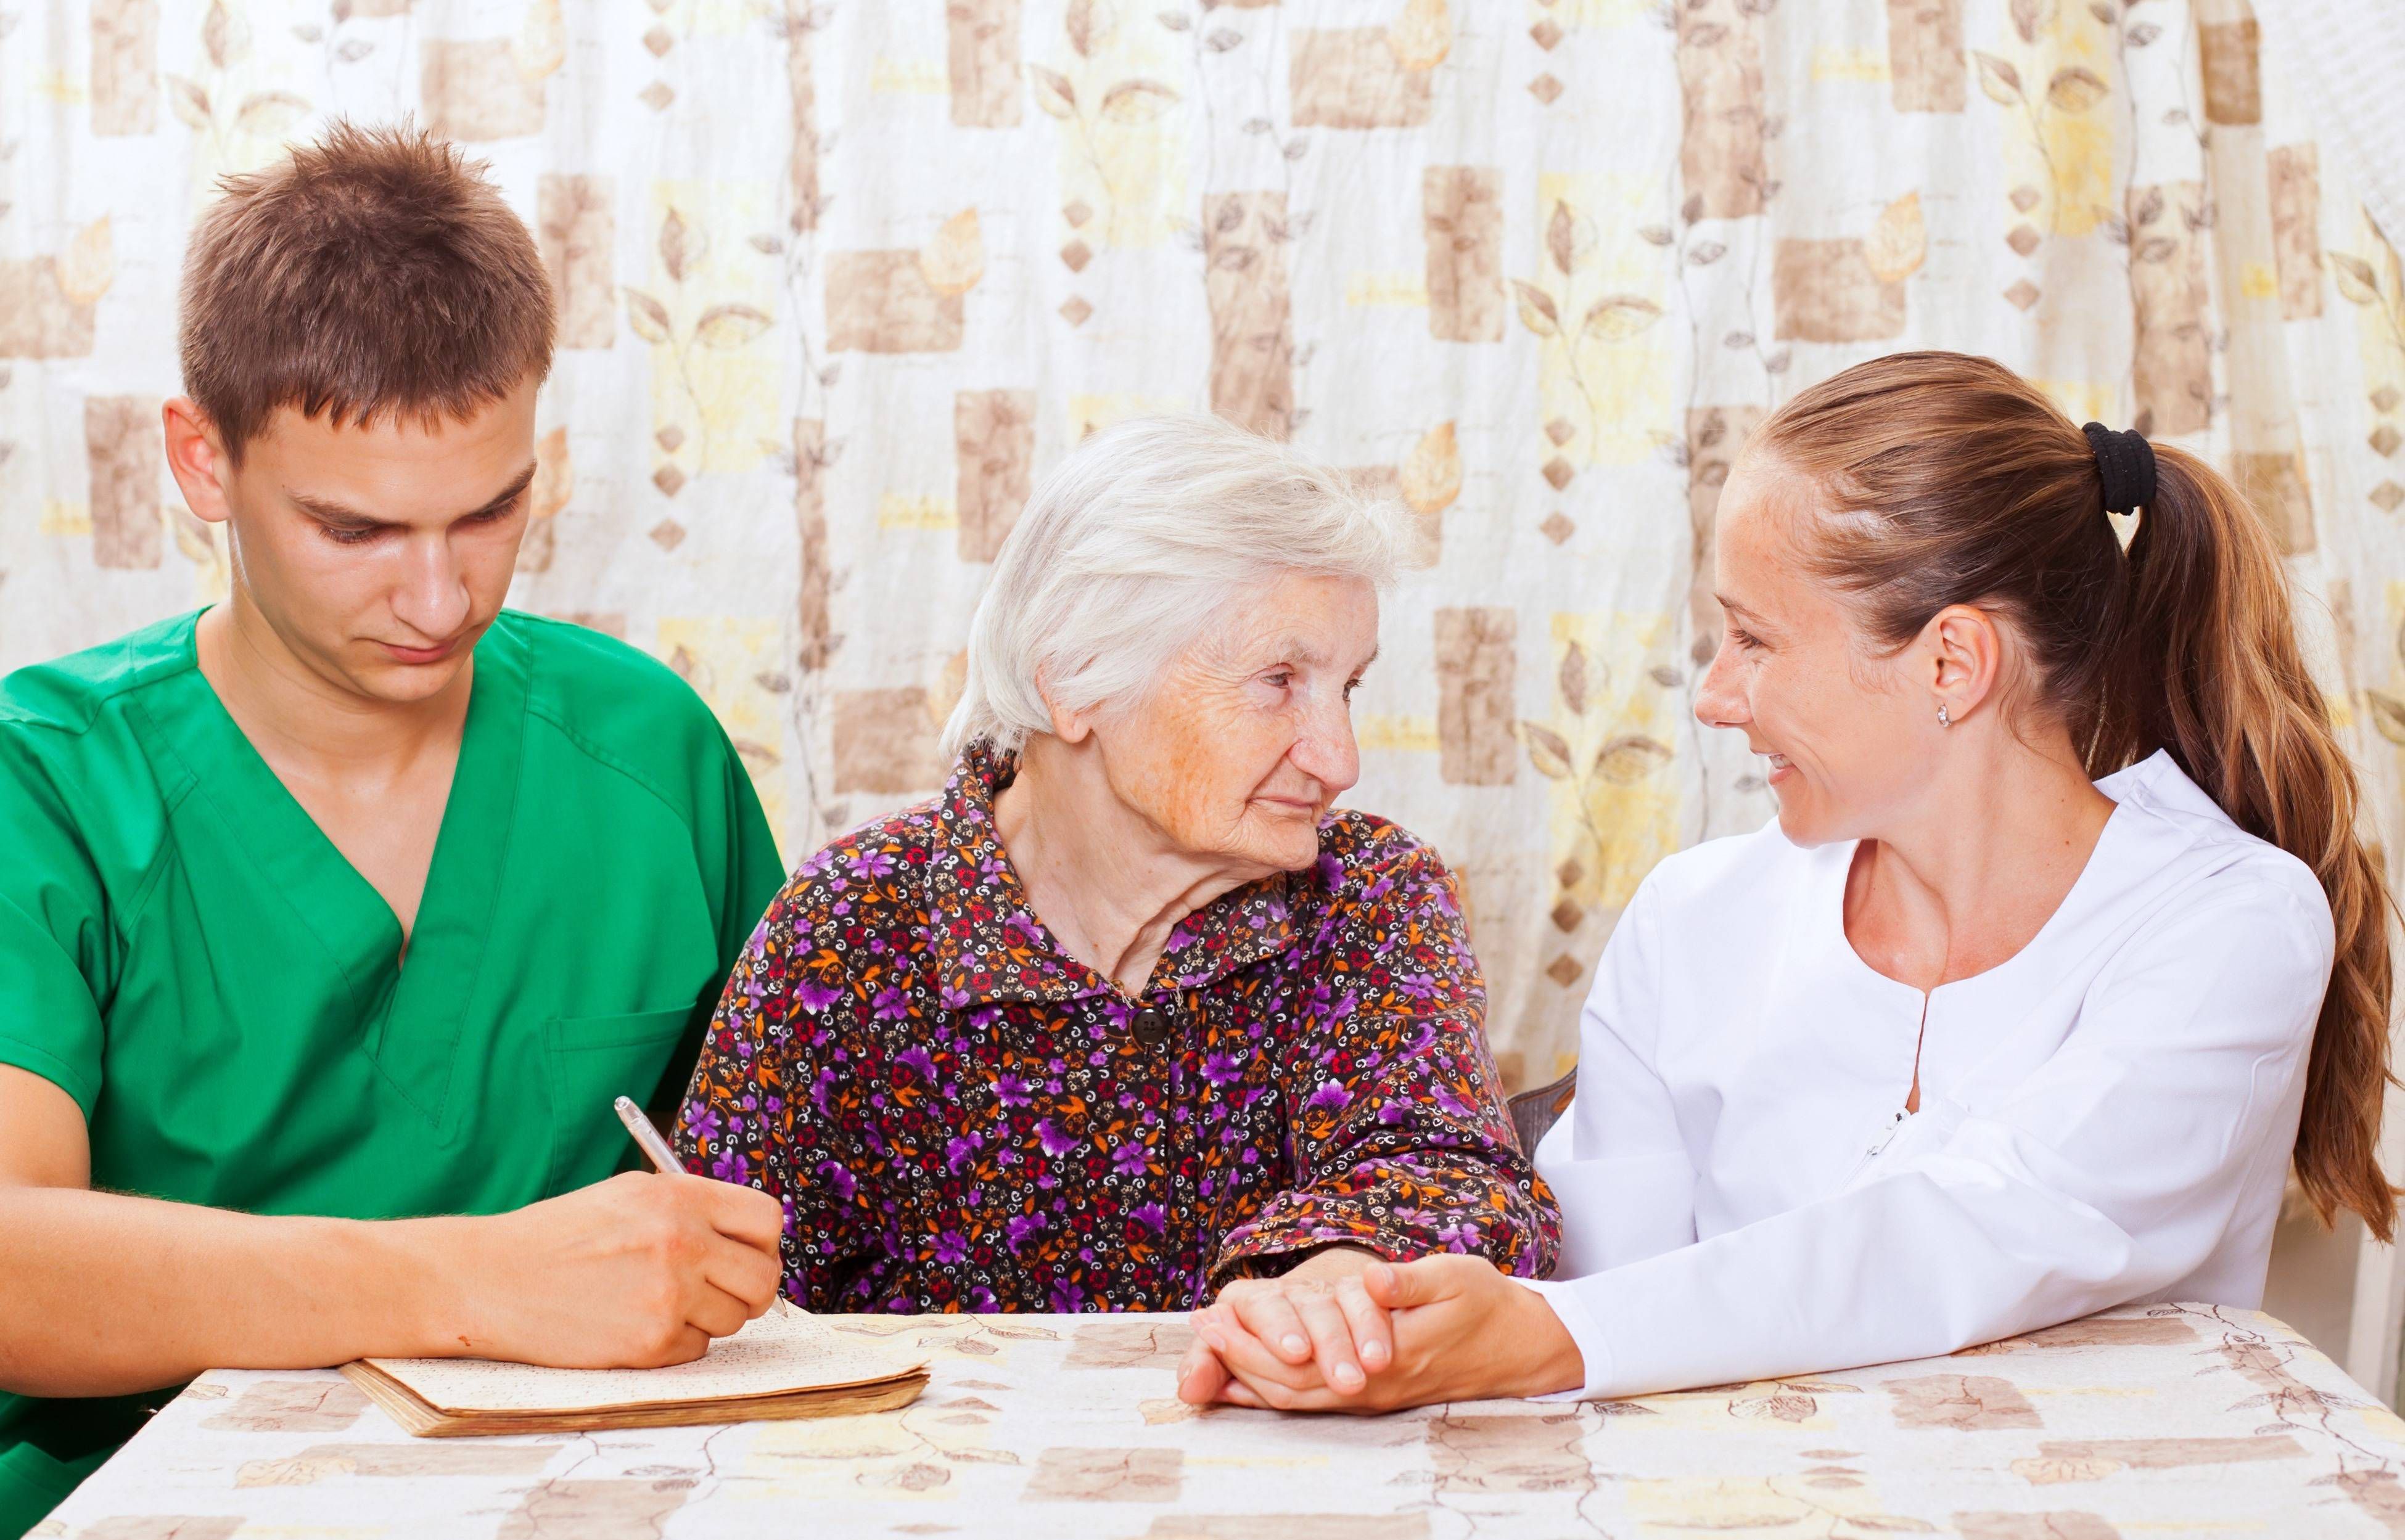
x,y
2164,1420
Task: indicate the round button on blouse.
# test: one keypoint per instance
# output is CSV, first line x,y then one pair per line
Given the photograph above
x,y
1151,1028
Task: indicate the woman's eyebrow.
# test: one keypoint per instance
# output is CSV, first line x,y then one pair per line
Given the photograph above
x,y
1293,649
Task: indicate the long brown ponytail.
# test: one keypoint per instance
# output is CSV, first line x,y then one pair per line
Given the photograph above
x,y
1977,489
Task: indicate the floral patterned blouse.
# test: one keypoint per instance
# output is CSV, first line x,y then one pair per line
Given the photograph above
x,y
960,1115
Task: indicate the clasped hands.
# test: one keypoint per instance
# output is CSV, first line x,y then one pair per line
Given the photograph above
x,y
1346,1331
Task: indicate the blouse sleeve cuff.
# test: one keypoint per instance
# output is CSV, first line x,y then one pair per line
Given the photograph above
x,y
1562,1297
1270,1245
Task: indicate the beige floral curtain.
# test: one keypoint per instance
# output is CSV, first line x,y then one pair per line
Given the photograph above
x,y
840,278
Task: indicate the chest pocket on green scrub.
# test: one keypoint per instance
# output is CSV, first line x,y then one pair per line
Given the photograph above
x,y
592,1062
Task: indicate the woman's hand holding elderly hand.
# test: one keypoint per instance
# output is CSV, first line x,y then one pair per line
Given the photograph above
x,y
1442,1328
1315,1326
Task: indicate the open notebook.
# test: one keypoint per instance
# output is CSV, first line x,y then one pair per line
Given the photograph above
x,y
784,1364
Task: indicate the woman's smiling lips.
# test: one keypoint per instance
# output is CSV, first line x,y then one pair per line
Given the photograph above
x,y
1779,768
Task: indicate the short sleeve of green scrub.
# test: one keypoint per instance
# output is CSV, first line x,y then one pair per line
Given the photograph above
x,y
184,953
54,954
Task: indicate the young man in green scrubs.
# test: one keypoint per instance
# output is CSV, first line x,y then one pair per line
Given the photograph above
x,y
357,897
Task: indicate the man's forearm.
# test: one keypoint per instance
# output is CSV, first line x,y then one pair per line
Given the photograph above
x,y
102,1294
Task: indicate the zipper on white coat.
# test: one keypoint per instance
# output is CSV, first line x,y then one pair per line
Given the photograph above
x,y
1879,1145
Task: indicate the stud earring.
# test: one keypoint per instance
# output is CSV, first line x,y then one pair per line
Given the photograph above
x,y
1943,720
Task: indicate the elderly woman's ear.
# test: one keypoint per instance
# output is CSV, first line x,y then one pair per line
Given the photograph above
x,y
1067,725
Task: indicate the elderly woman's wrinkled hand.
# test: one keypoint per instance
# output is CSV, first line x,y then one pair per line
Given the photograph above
x,y
1315,1326
1456,1329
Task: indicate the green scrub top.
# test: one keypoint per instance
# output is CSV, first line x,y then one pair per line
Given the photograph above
x,y
184,953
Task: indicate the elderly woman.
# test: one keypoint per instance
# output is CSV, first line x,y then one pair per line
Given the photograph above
x,y
1128,1014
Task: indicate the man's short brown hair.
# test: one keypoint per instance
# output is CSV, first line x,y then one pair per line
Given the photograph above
x,y
373,272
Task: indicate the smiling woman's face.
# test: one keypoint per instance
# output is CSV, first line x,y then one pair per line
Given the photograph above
x,y
1248,739
1843,737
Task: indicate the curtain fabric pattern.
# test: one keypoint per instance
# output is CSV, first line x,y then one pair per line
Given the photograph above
x,y
840,278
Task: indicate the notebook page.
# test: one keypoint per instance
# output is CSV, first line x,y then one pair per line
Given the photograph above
x,y
779,1351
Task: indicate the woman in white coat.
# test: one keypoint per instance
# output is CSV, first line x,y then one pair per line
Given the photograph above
x,y
2063,948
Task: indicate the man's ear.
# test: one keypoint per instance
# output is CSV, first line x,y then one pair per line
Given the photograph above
x,y
196,457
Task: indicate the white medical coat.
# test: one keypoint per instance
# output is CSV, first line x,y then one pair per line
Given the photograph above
x,y
2104,1117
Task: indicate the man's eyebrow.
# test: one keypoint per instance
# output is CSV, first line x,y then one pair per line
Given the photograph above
x,y
509,494
327,511
342,516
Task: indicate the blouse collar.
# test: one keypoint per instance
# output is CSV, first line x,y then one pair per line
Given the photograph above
x,y
990,947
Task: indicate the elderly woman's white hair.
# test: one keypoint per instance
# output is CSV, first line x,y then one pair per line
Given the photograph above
x,y
1133,548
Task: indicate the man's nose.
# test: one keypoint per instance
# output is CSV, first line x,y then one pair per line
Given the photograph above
x,y
432,599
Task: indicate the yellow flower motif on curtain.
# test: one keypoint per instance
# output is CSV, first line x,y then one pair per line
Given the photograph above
x,y
1608,751
2050,75
1123,146
1594,306
732,661
1898,243
2368,277
1421,35
714,394
232,101
89,264
540,46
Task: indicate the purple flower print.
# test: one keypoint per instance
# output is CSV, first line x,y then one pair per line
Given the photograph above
x,y
838,1180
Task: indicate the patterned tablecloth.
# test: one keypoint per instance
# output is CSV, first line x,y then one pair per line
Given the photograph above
x,y
2172,1419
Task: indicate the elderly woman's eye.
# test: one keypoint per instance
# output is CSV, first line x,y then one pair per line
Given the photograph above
x,y
1278,680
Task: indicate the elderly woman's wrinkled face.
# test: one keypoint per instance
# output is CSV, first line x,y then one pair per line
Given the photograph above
x,y
1248,739
1844,742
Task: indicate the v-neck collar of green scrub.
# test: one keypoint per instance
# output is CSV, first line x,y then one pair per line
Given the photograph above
x,y
409,1017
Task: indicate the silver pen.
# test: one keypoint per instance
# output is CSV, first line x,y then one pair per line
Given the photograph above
x,y
647,1137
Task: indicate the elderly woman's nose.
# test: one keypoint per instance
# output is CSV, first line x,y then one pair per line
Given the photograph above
x,y
1326,751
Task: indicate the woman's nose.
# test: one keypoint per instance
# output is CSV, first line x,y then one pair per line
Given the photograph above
x,y
1327,751
1718,701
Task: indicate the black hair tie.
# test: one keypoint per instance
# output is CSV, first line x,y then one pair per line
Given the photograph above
x,y
2126,462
